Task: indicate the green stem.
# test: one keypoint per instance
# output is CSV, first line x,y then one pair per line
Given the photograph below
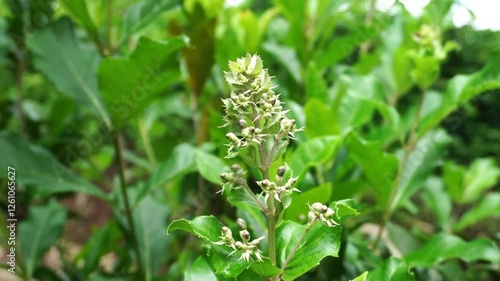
x,y
119,149
271,209
407,149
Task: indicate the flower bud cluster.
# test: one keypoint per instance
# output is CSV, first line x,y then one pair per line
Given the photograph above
x,y
277,190
234,179
245,247
253,106
430,44
320,212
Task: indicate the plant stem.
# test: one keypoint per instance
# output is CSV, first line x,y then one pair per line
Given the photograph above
x,y
119,149
407,149
296,247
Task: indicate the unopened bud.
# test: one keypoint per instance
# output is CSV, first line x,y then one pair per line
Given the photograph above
x,y
281,171
317,207
232,137
235,168
324,208
241,224
245,235
242,123
329,213
265,183
224,177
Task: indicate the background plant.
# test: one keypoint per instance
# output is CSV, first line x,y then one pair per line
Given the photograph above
x,y
115,101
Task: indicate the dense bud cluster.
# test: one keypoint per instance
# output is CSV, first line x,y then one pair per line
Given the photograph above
x,y
276,190
253,106
234,179
245,247
323,213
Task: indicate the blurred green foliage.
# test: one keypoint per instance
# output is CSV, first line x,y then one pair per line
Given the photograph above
x,y
117,104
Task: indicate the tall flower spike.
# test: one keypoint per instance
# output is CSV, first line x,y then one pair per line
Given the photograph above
x,y
253,110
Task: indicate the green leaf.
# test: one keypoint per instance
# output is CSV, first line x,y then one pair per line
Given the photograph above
x,y
420,163
316,85
79,12
103,240
466,186
460,89
150,70
36,166
402,239
182,160
210,166
453,176
209,228
340,48
481,175
438,200
352,100
141,14
150,222
231,266
394,269
200,270
344,208
401,68
317,115
489,206
312,153
205,227
210,7
299,204
379,167
287,57
70,66
38,233
362,277
441,247
319,242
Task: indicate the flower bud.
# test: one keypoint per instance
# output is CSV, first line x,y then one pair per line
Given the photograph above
x,y
324,208
329,213
224,177
241,224
242,78
235,168
242,123
281,171
317,207
232,137
265,183
245,235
